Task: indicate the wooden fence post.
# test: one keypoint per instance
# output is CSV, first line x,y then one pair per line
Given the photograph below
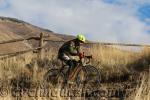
x,y
41,42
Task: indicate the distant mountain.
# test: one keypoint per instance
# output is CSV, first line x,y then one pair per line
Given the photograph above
x,y
12,28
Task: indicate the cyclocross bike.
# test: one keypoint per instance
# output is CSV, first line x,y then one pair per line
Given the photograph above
x,y
83,74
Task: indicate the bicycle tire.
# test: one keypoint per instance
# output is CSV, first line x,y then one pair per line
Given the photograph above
x,y
78,79
52,76
93,70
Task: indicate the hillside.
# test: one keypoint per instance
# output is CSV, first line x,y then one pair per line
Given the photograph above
x,y
11,28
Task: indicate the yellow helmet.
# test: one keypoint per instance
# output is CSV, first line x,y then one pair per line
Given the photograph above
x,y
81,37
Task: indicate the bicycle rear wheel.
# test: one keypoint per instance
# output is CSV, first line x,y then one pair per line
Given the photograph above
x,y
54,76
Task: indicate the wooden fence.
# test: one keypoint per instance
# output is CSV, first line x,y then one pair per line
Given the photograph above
x,y
42,39
39,49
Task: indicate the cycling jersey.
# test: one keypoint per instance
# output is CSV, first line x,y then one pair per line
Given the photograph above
x,y
68,49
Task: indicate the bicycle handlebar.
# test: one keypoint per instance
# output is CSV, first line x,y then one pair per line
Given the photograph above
x,y
89,59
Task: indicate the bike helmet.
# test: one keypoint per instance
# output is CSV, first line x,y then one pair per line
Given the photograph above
x,y
81,37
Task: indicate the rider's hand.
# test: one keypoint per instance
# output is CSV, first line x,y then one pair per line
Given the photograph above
x,y
81,55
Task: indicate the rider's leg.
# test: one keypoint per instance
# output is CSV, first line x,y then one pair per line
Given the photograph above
x,y
64,59
68,62
71,66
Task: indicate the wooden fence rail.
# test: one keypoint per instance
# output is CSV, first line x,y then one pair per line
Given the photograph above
x,y
122,44
18,40
8,55
42,40
104,43
21,52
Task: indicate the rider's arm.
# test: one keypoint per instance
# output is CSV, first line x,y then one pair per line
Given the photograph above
x,y
78,49
74,51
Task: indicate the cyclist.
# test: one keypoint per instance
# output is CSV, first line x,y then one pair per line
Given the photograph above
x,y
70,49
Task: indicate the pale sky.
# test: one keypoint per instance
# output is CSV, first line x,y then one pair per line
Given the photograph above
x,y
125,21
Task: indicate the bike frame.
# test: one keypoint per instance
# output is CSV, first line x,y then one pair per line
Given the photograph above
x,y
78,68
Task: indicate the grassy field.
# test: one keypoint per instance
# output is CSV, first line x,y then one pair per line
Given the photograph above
x,y
111,61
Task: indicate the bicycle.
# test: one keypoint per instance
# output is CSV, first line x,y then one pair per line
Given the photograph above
x,y
83,74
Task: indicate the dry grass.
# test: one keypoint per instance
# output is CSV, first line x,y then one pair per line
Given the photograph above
x,y
110,60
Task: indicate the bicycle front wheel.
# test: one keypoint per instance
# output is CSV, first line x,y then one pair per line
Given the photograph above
x,y
93,74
